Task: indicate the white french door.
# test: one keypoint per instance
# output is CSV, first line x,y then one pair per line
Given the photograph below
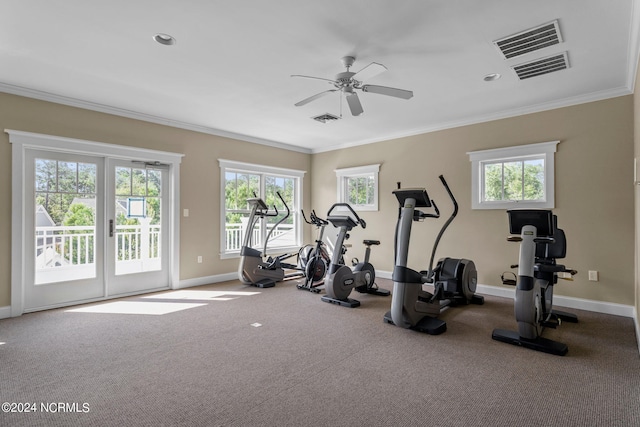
x,y
64,219
137,237
94,227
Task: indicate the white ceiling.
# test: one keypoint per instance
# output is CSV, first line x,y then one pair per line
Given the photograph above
x,y
230,71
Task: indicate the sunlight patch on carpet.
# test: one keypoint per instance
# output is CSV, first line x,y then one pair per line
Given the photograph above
x,y
136,307
192,294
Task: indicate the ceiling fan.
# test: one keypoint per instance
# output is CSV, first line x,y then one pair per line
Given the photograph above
x,y
347,81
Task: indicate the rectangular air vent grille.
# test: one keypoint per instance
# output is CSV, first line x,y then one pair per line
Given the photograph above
x,y
530,40
326,117
542,66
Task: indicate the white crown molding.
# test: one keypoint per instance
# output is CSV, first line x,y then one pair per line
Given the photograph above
x,y
567,102
513,112
73,102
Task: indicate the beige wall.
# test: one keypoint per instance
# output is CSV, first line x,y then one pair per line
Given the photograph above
x,y
199,181
594,194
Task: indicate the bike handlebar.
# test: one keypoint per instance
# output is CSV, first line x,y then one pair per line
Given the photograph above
x,y
314,219
348,206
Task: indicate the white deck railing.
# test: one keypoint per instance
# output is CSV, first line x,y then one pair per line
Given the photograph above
x,y
284,234
73,247
66,246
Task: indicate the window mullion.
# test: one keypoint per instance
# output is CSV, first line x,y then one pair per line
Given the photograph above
x,y
502,181
522,180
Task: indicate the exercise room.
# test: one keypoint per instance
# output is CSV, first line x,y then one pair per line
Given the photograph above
x,y
337,213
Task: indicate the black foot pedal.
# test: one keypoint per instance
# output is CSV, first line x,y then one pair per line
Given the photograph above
x,y
539,344
347,302
264,283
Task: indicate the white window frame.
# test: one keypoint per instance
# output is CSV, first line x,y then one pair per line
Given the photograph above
x,y
344,174
261,170
542,150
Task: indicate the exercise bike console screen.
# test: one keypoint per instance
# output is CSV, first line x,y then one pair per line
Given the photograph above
x,y
419,194
541,219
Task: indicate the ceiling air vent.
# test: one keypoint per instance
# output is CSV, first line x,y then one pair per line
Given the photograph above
x,y
326,117
542,66
530,40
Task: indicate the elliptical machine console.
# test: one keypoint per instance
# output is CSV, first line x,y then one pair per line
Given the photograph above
x,y
454,280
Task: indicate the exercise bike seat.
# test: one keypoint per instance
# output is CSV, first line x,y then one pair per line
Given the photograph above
x,y
371,242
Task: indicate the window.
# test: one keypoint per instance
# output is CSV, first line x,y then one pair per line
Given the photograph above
x,y
511,177
359,187
240,181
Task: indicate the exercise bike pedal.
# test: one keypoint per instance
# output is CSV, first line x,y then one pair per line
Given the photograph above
x,y
550,324
373,290
507,280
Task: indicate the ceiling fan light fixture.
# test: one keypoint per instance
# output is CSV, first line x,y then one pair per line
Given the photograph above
x,y
492,77
165,39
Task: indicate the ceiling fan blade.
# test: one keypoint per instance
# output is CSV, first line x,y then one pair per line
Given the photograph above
x,y
311,77
354,104
314,97
369,71
389,91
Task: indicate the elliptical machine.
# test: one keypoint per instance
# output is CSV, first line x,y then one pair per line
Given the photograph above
x,y
541,244
342,279
253,269
454,280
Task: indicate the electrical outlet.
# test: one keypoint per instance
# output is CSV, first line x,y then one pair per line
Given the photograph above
x,y
185,212
593,276
199,259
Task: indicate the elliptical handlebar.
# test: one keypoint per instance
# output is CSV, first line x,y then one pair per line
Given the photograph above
x,y
453,199
348,206
280,221
446,224
419,215
284,203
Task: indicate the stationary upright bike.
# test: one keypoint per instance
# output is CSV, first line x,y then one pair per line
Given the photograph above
x,y
342,279
541,244
314,260
454,279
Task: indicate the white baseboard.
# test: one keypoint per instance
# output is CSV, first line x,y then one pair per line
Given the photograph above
x,y
635,319
5,312
558,300
199,281
568,302
383,274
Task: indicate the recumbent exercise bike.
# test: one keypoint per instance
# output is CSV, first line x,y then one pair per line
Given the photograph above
x,y
541,244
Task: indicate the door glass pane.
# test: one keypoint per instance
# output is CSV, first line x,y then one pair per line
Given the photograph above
x,y
137,220
65,220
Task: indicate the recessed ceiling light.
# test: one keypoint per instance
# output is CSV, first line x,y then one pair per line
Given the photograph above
x,y
492,77
164,39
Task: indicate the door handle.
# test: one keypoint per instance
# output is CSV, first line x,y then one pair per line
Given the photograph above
x,y
110,228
